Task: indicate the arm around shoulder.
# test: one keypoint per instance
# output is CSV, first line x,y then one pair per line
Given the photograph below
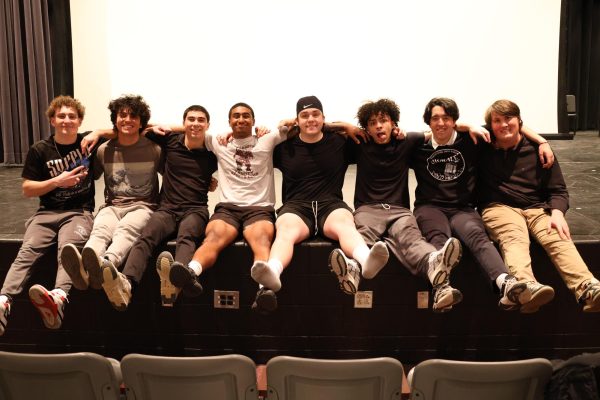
x,y
544,151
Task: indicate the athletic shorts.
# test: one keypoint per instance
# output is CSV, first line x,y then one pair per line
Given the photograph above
x,y
242,216
312,213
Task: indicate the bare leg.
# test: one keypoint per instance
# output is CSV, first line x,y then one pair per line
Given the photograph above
x,y
259,236
290,230
339,226
219,234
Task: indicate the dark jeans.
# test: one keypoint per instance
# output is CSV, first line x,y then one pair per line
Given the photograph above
x,y
440,223
189,226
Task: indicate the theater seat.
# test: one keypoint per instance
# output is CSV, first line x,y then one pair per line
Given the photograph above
x,y
292,378
58,376
228,377
454,380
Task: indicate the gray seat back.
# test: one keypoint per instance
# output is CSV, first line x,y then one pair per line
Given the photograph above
x,y
57,376
228,377
292,378
450,380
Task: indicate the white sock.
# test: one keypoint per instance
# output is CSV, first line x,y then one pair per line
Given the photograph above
x,y
3,298
378,257
360,254
500,280
276,265
195,266
267,274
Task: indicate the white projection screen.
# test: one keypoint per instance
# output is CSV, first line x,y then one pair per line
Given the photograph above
x,y
269,53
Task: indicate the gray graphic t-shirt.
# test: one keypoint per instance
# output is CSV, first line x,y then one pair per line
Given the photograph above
x,y
130,172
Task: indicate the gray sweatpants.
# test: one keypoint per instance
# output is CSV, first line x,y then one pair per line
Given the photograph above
x,y
116,230
398,228
42,230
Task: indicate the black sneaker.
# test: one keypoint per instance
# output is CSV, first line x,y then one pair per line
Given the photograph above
x,y
184,277
265,302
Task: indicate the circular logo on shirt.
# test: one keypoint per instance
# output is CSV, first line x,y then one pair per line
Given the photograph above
x,y
446,164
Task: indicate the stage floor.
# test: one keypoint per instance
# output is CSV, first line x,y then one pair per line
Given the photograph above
x,y
579,160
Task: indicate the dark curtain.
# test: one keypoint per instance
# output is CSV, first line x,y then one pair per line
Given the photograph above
x,y
579,62
36,64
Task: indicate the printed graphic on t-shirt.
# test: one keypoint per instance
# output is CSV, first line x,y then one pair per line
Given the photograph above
x,y
446,164
243,157
57,166
133,179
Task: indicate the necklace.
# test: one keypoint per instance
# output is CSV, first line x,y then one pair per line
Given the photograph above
x,y
56,148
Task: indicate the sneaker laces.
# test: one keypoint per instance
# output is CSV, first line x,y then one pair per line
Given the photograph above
x,y
507,285
60,301
4,312
591,292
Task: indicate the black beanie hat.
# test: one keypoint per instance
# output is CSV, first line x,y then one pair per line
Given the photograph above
x,y
308,102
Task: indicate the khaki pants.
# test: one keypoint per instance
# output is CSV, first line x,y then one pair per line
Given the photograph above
x,y
510,227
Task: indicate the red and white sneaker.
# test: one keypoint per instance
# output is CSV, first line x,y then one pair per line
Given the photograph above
x,y
4,311
50,304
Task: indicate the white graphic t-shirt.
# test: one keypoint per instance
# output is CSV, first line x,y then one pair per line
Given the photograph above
x,y
246,169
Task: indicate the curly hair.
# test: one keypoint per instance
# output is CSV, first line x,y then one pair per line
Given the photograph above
x,y
381,106
447,104
65,101
196,107
506,108
136,106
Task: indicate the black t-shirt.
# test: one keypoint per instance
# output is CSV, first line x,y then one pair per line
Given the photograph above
x,y
382,171
47,159
186,174
313,171
446,176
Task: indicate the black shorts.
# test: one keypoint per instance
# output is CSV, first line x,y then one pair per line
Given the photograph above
x,y
242,216
313,213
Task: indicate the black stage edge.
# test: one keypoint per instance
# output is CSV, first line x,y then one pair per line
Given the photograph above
x,y
315,319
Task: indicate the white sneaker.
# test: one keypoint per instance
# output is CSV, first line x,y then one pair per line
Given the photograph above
x,y
442,261
590,298
91,262
4,312
346,270
71,262
540,295
168,291
116,286
50,304
444,297
514,294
